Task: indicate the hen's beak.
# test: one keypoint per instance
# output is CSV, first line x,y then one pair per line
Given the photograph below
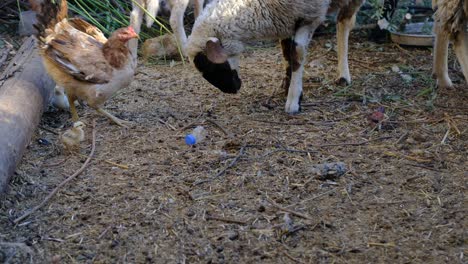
x,y
133,33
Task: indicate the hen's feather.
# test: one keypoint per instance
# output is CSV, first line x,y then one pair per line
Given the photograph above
x,y
73,50
80,58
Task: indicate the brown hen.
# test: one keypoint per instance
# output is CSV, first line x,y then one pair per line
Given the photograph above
x,y
81,59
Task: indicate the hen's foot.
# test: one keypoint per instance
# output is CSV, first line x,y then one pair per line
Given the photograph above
x,y
118,121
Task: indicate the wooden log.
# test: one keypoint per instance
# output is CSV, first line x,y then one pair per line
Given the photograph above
x,y
25,90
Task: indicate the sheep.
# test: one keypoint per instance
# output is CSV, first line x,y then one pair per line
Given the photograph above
x,y
450,24
220,32
176,19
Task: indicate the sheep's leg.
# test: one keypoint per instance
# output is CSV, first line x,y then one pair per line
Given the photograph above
x,y
346,21
136,18
198,7
440,68
461,50
299,53
288,47
177,23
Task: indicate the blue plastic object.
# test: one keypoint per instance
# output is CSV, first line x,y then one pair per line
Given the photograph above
x,y
190,139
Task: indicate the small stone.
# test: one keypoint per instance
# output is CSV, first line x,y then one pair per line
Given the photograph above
x,y
261,208
233,236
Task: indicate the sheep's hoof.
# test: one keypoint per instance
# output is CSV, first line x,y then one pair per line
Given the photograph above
x,y
342,81
293,107
444,83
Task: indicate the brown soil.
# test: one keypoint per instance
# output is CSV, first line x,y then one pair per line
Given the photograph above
x,y
402,200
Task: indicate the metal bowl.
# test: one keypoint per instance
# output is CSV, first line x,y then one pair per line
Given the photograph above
x,y
413,36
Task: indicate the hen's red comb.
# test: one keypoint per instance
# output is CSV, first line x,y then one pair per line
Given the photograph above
x,y
131,30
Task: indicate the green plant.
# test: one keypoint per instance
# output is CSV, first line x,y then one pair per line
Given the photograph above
x,y
109,15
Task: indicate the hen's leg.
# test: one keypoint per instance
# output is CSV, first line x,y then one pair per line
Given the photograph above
x,y
74,114
114,119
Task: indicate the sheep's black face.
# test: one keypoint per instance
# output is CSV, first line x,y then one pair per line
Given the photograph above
x,y
221,75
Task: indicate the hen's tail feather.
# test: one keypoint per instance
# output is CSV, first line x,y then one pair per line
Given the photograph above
x,y
51,13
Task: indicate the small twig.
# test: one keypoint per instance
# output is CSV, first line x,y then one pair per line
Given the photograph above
x,y
48,130
317,196
321,102
78,172
291,257
219,126
323,123
233,162
361,63
289,151
104,233
351,143
56,164
227,220
445,136
394,154
53,239
125,167
424,167
287,210
404,51
167,124
391,244
402,138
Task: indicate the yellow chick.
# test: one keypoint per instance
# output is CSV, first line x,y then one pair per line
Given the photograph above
x,y
72,137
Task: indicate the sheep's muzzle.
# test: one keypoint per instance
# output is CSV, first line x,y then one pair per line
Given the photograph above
x,y
221,75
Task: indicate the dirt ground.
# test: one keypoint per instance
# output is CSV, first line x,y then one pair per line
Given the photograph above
x,y
247,193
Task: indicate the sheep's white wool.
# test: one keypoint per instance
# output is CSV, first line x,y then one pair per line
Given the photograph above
x,y
234,22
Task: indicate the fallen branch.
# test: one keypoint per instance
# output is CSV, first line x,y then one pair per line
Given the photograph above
x,y
78,172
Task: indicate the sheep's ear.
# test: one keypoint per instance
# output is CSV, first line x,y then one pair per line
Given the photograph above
x,y
215,52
